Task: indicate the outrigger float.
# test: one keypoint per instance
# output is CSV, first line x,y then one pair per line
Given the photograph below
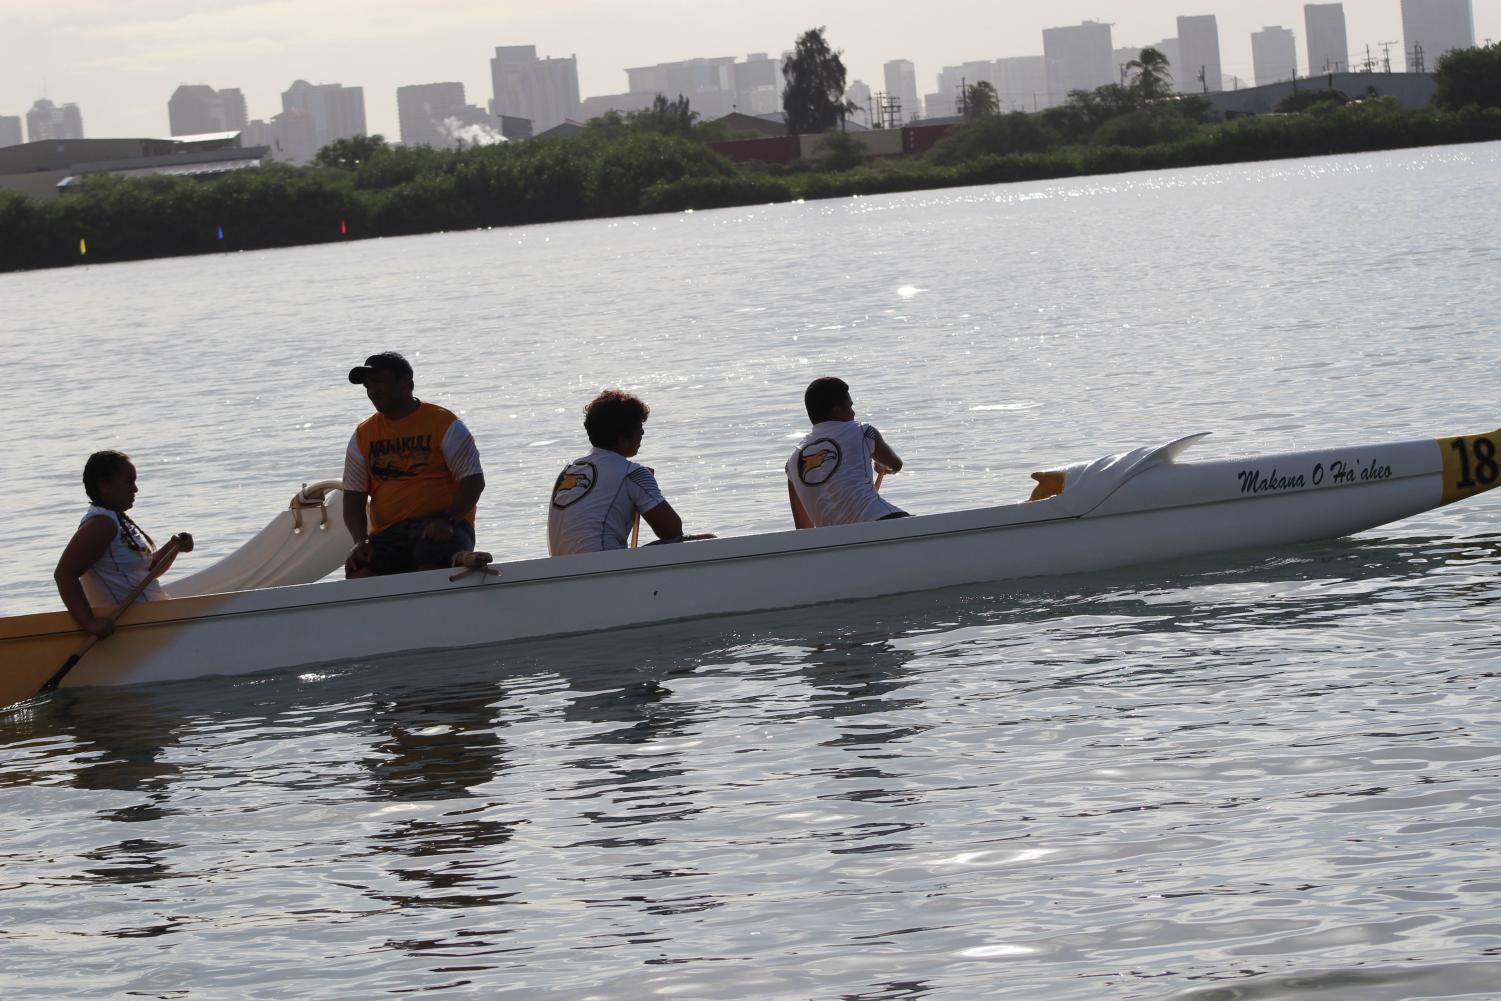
x,y
259,610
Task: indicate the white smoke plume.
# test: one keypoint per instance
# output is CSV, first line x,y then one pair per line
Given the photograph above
x,y
473,134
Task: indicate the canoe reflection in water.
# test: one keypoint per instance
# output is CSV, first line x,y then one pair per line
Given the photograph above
x,y
441,752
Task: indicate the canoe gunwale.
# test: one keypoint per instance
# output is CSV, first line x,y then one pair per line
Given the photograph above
x,y
157,614
512,575
1164,489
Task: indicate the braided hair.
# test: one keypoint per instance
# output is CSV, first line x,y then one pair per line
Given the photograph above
x,y
100,467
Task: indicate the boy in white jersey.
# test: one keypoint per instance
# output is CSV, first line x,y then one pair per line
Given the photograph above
x,y
596,496
829,475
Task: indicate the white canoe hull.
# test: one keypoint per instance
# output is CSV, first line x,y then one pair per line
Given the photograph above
x,y
1164,511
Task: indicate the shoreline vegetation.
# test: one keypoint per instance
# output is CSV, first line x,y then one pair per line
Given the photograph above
x,y
657,161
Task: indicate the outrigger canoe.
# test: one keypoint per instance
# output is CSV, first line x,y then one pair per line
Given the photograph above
x,y
1139,507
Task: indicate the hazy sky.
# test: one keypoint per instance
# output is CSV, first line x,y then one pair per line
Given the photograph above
x,y
120,60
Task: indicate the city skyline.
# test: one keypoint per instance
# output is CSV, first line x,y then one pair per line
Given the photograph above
x,y
120,63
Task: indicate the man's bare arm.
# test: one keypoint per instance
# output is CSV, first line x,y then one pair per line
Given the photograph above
x,y
355,518
800,517
664,521
466,496
885,456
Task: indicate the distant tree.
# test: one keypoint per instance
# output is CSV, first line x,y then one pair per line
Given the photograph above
x,y
1196,108
399,165
981,100
1078,119
672,118
1015,132
1154,78
1303,100
1144,127
813,98
1469,77
715,131
348,154
839,151
664,117
22,235
612,125
1093,108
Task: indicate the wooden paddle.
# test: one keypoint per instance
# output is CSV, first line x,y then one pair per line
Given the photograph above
x,y
166,553
879,477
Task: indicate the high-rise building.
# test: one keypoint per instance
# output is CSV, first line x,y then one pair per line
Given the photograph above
x,y
858,91
950,86
46,120
1324,38
545,91
758,84
601,104
947,99
236,115
422,110
291,136
337,112
1199,47
708,84
1274,54
942,103
979,71
10,130
194,109
1022,83
1432,27
1078,57
514,128
901,85
713,87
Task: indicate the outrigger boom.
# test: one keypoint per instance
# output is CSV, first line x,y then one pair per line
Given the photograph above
x,y
1139,507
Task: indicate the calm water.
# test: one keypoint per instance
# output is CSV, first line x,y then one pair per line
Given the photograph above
x,y
1270,775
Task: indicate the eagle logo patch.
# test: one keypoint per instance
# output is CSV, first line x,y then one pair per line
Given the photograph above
x,y
817,461
574,484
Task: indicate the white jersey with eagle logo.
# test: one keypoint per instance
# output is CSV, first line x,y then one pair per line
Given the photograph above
x,y
831,473
593,499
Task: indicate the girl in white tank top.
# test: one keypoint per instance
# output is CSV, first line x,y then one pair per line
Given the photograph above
x,y
123,564
109,555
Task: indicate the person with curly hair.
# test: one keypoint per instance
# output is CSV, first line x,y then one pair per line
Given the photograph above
x,y
598,495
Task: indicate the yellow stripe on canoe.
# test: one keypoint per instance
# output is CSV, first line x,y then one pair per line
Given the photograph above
x,y
1472,464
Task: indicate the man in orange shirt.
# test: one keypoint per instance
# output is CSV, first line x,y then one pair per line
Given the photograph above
x,y
412,477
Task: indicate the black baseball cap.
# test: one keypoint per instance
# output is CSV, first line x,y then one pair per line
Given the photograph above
x,y
386,361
